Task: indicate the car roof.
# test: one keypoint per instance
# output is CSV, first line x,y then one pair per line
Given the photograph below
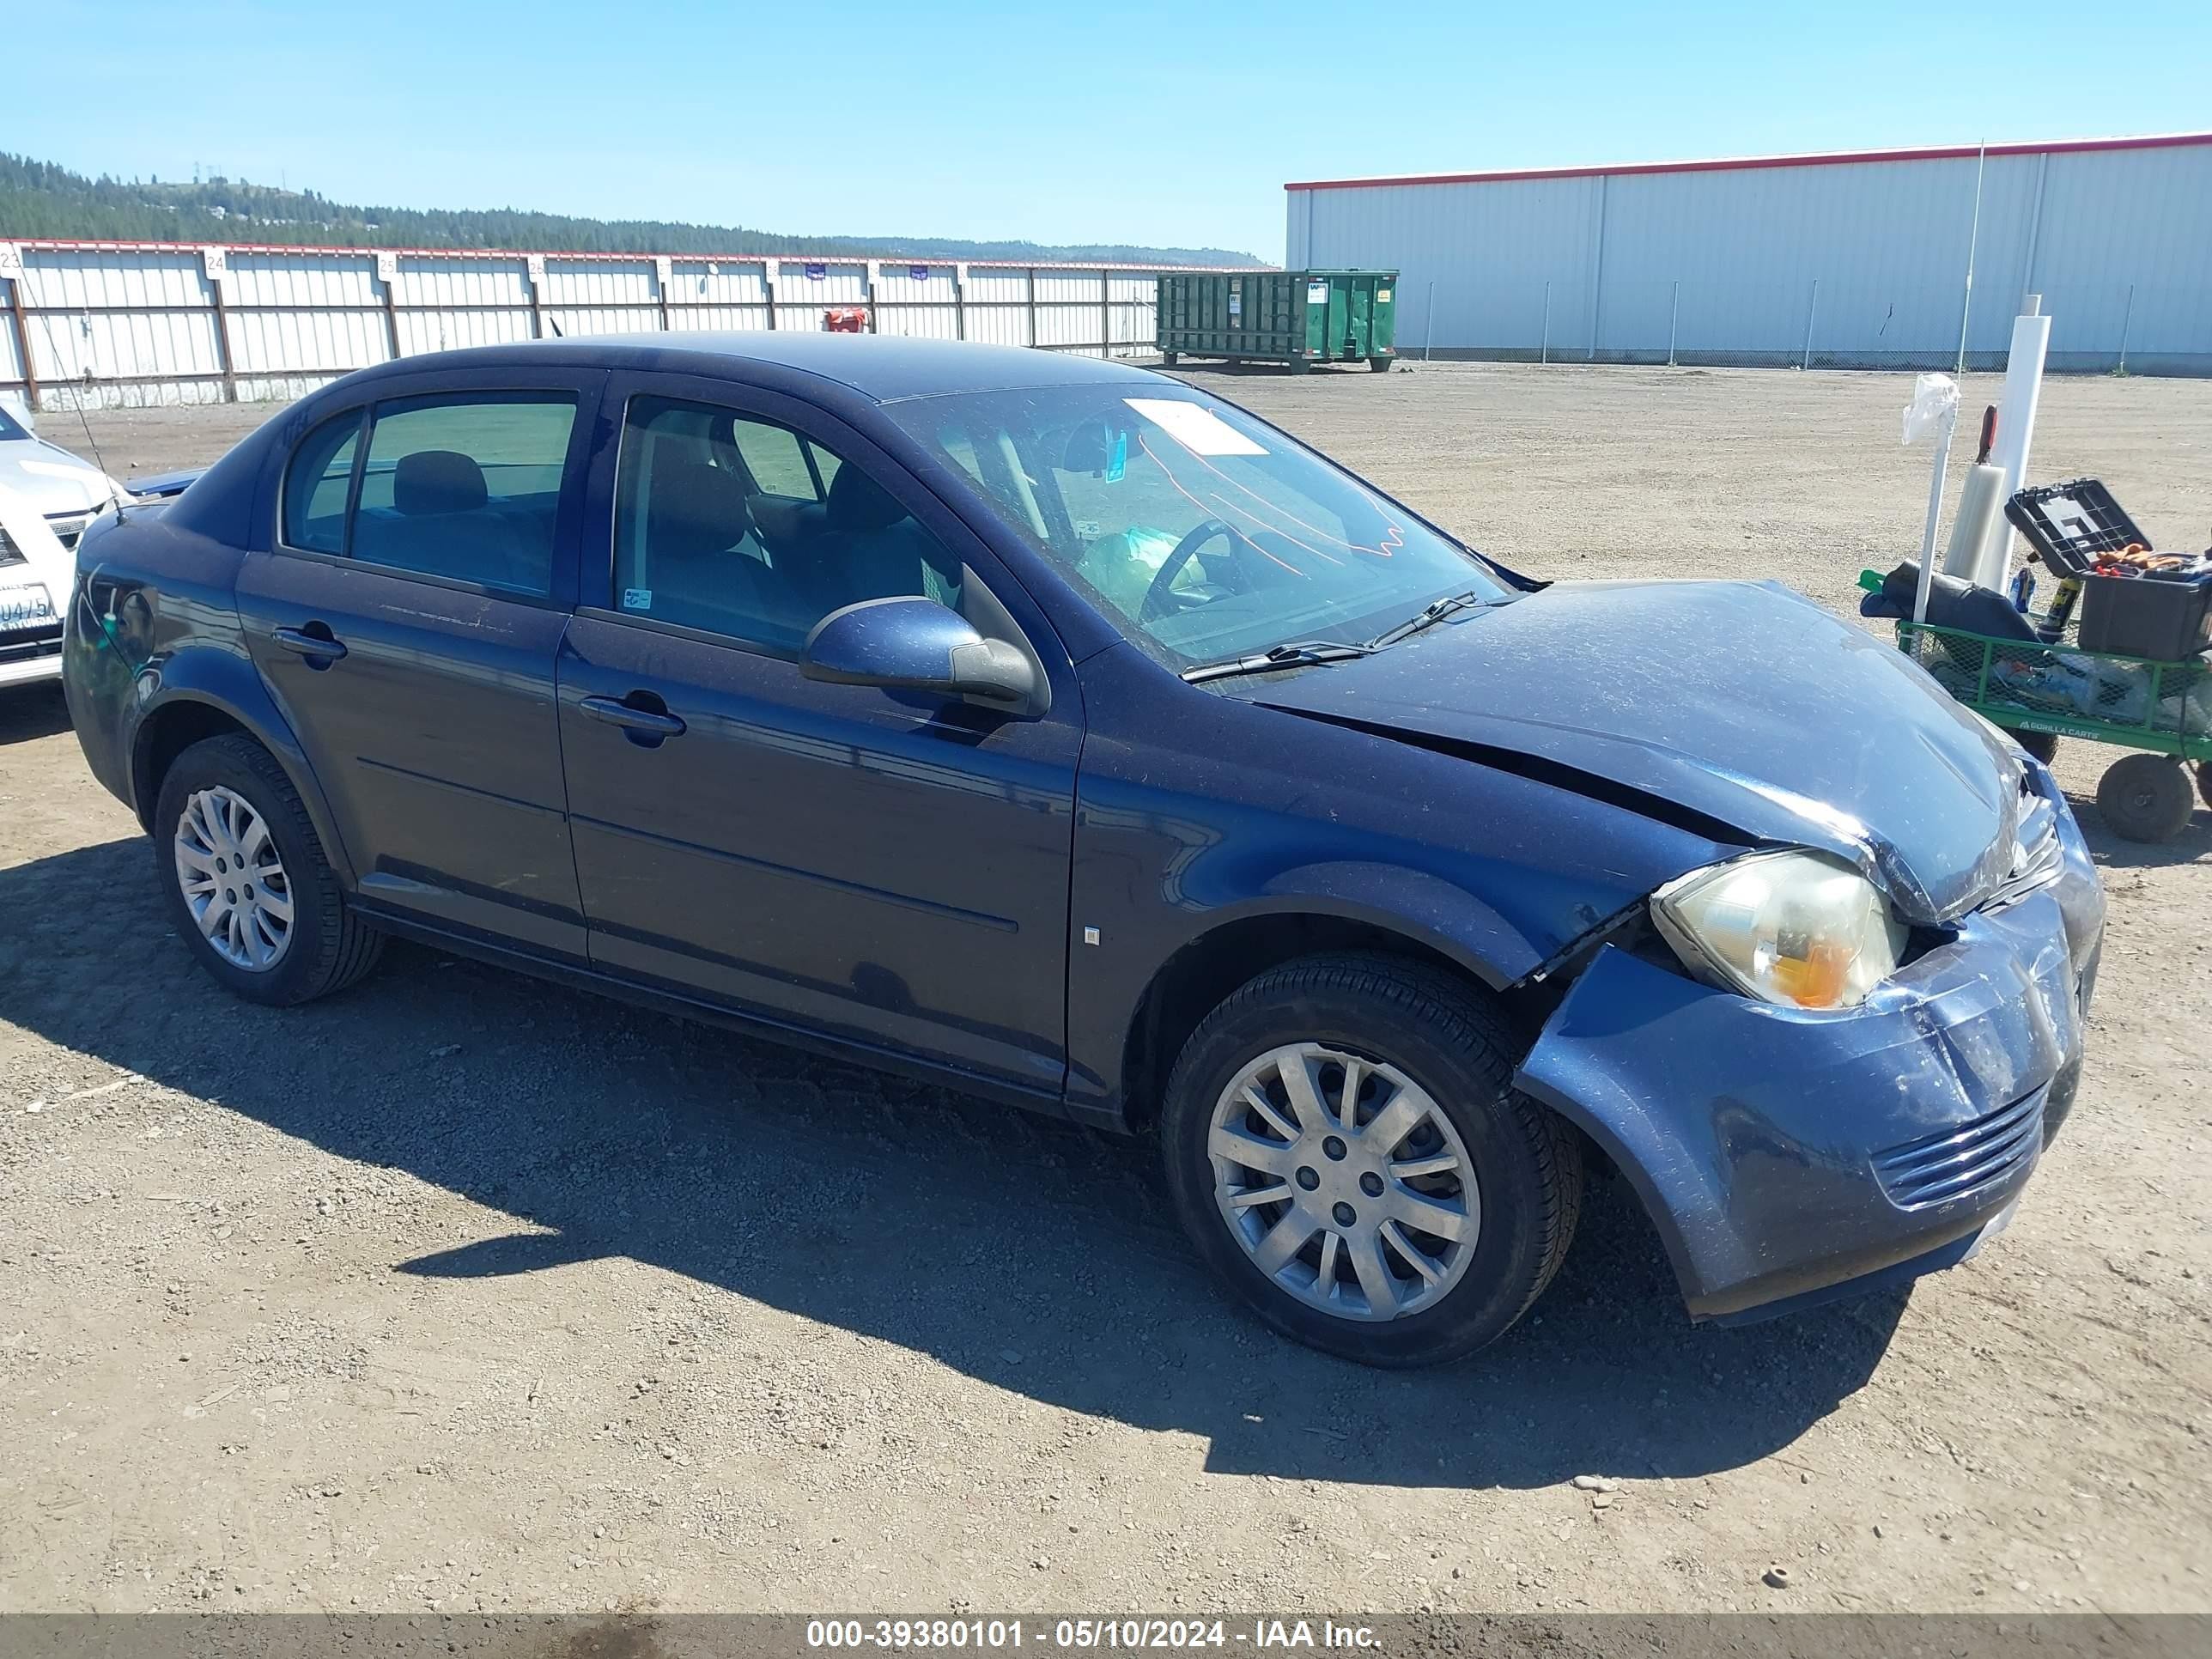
x,y
881,368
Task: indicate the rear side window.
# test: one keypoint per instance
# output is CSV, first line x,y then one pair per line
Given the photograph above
x,y
316,485
466,488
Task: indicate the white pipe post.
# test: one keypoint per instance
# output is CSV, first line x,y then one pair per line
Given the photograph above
x,y
1544,355
2126,317
1674,319
1429,339
2023,389
1812,310
1935,475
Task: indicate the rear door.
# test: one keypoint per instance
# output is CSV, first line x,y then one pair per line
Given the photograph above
x,y
406,619
887,868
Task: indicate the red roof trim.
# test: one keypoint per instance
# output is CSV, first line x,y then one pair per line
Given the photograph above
x,y
75,244
1738,164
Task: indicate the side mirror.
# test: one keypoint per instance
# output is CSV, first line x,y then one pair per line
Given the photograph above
x,y
917,644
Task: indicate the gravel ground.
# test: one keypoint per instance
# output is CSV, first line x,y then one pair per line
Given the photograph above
x,y
459,1291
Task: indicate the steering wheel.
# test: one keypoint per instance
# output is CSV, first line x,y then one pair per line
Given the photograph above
x,y
1156,601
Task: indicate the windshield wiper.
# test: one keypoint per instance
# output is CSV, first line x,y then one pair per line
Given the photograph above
x,y
1291,653
1474,599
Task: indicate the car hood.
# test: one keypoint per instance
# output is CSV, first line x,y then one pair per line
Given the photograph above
x,y
53,480
1739,707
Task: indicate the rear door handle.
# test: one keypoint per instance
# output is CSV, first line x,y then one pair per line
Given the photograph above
x,y
614,712
321,648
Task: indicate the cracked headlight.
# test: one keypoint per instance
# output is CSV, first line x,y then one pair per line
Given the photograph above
x,y
1801,929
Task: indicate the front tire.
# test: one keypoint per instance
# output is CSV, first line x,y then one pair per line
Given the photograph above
x,y
245,881
1345,1148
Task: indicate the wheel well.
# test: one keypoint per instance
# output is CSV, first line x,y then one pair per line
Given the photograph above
x,y
1198,978
169,731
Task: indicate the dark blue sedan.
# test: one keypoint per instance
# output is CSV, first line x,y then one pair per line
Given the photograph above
x,y
1055,729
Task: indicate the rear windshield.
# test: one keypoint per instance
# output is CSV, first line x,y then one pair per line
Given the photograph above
x,y
1202,533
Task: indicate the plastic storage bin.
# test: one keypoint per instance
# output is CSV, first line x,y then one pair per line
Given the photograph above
x,y
2155,617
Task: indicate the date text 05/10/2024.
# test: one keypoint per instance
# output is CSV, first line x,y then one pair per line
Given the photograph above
x,y
1128,1633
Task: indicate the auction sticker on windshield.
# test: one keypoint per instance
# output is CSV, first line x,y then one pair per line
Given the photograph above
x,y
1197,428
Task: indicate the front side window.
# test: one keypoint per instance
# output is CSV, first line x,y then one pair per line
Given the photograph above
x,y
317,483
466,486
1201,533
719,526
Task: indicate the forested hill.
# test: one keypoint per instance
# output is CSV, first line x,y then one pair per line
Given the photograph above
x,y
37,198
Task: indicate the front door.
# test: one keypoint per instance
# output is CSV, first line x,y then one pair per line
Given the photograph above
x,y
886,868
406,621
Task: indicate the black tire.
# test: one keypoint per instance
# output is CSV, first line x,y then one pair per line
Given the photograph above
x,y
329,946
2146,797
2204,781
1454,1044
2044,745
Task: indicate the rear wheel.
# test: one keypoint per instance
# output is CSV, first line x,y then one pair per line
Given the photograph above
x,y
244,880
2145,798
2204,781
1344,1148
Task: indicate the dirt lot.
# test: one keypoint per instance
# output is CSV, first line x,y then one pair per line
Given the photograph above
x,y
462,1293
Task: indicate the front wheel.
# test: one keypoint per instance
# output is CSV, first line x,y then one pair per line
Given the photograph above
x,y
245,881
2145,798
1344,1149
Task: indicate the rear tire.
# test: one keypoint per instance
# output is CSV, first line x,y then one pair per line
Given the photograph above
x,y
2204,781
2044,745
2146,797
325,947
1428,1049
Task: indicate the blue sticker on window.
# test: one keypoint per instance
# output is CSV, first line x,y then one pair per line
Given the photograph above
x,y
1120,458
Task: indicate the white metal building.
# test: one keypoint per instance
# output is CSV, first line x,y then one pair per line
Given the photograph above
x,y
1855,259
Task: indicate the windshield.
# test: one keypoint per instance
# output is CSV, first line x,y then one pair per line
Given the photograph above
x,y
10,428
1202,533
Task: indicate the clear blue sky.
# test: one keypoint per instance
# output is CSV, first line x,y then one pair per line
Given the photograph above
x,y
1157,121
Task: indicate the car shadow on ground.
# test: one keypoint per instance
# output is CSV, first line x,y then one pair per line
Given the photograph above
x,y
1028,1253
28,712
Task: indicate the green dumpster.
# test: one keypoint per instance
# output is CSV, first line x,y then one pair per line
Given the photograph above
x,y
1300,318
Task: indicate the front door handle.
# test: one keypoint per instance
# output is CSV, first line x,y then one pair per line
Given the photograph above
x,y
626,714
315,642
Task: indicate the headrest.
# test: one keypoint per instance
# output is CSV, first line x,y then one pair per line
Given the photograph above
x,y
437,481
858,502
1090,448
696,509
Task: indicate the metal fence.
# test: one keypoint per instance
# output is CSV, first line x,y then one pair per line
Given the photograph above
x,y
1842,322
105,324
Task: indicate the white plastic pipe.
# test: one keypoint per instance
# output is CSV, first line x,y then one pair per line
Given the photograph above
x,y
2023,391
1946,423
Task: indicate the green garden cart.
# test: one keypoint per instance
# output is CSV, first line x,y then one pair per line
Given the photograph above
x,y
2042,690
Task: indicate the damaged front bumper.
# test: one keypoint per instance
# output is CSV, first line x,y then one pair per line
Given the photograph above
x,y
1788,1156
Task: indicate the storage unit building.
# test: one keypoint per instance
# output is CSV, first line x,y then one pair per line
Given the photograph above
x,y
1853,259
